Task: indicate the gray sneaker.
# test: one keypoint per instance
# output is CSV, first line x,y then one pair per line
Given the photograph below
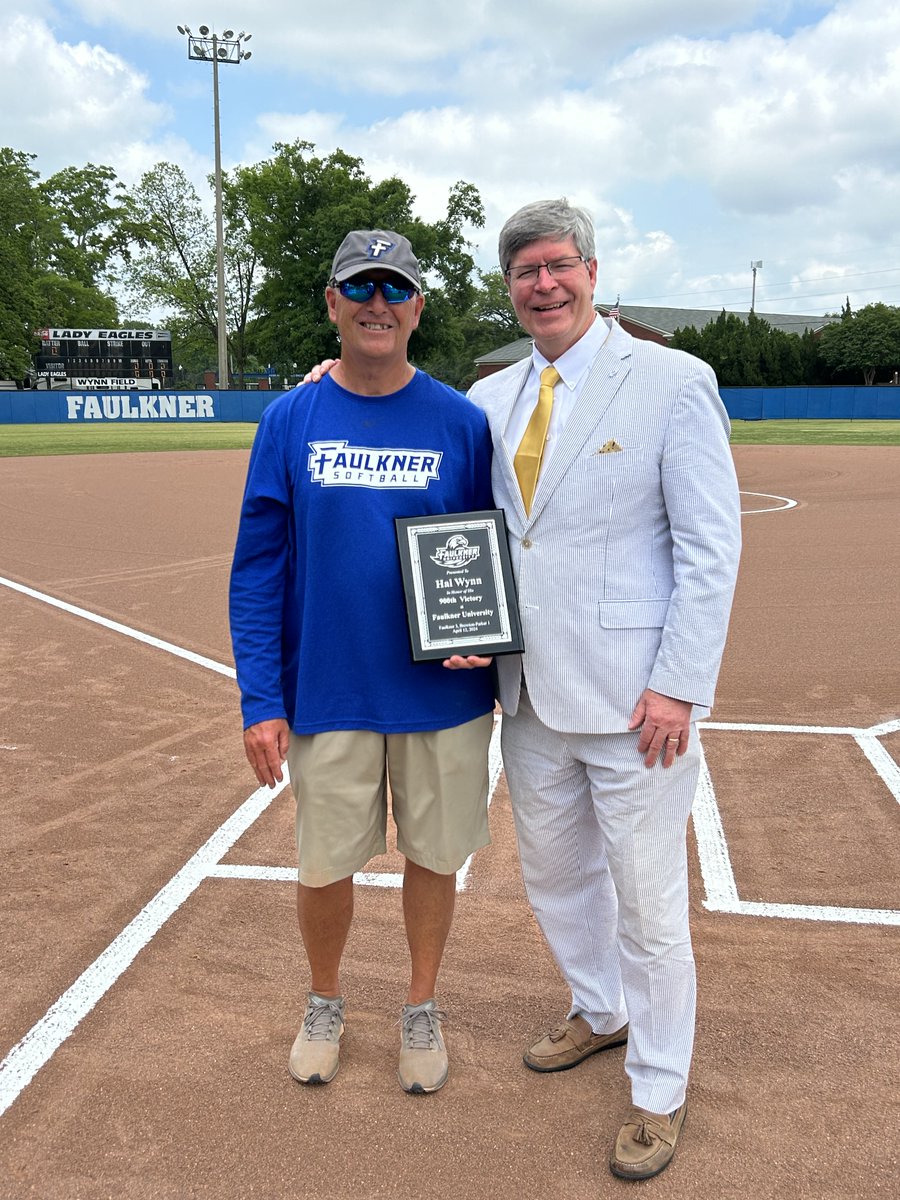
x,y
423,1056
316,1048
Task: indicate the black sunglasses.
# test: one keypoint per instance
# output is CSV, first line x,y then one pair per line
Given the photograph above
x,y
360,290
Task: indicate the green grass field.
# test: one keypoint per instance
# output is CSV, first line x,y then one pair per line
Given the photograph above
x,y
816,433
17,441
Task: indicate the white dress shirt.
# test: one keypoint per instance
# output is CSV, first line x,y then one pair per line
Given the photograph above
x,y
573,367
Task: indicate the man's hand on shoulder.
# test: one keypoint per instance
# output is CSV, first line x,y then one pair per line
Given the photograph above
x,y
266,747
320,370
665,725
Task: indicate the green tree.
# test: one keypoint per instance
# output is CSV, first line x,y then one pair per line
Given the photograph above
x,y
441,345
723,344
867,341
174,261
776,354
20,217
194,351
55,239
75,233
812,369
63,240
84,232
492,312
489,323
745,353
71,303
688,338
299,206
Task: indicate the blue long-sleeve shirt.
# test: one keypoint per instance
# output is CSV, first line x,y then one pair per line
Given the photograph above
x,y
318,620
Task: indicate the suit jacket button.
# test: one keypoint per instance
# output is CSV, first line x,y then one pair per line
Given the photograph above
x,y
526,542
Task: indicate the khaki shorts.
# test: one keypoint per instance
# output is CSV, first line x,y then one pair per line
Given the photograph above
x,y
438,784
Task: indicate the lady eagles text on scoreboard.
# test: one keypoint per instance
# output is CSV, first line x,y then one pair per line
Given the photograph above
x,y
458,584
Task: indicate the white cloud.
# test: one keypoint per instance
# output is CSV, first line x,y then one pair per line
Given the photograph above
x,y
69,102
700,134
411,35
771,124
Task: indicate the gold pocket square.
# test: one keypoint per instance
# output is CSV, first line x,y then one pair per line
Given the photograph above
x,y
611,447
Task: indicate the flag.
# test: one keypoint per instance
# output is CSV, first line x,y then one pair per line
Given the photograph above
x,y
614,311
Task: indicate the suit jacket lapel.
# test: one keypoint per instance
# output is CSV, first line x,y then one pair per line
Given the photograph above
x,y
502,457
606,375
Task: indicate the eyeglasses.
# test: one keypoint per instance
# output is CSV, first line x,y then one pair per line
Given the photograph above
x,y
558,269
360,290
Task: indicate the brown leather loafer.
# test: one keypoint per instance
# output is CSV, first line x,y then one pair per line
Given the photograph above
x,y
646,1143
569,1044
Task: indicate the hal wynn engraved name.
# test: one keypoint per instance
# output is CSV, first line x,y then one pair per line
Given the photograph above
x,y
461,591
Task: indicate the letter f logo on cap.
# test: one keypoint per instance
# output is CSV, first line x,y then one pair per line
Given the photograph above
x,y
378,246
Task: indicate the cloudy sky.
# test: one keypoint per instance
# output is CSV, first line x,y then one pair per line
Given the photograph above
x,y
702,135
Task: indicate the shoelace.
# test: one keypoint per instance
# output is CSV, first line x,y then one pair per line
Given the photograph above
x,y
320,1022
419,1028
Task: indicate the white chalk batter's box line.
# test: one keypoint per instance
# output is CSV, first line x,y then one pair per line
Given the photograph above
x,y
715,863
42,1041
712,847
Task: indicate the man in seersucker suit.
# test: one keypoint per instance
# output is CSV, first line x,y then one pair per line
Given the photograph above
x,y
616,476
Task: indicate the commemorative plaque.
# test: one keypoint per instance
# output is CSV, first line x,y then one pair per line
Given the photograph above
x,y
458,583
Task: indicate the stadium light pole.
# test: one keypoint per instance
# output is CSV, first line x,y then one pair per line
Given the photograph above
x,y
229,48
754,267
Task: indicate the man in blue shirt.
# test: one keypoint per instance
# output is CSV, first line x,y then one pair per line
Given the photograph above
x,y
321,644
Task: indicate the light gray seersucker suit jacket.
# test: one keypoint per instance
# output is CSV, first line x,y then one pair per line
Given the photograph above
x,y
626,566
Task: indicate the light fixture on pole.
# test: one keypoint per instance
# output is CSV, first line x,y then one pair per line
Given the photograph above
x,y
208,47
754,267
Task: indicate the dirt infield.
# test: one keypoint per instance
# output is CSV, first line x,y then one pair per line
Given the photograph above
x,y
120,759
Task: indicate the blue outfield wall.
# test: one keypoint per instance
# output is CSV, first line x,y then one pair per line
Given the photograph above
x,y
743,404
55,408
812,403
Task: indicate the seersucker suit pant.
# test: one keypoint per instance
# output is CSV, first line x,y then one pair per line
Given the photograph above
x,y
602,842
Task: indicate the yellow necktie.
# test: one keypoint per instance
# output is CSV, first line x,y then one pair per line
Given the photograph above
x,y
531,448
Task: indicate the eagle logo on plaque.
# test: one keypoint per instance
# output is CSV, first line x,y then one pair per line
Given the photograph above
x,y
456,553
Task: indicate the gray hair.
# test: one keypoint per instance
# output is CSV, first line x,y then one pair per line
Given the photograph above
x,y
556,219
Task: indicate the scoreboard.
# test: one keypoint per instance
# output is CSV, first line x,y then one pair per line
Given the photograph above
x,y
123,355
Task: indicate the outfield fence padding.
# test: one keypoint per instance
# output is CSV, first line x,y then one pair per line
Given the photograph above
x,y
73,408
812,403
743,404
